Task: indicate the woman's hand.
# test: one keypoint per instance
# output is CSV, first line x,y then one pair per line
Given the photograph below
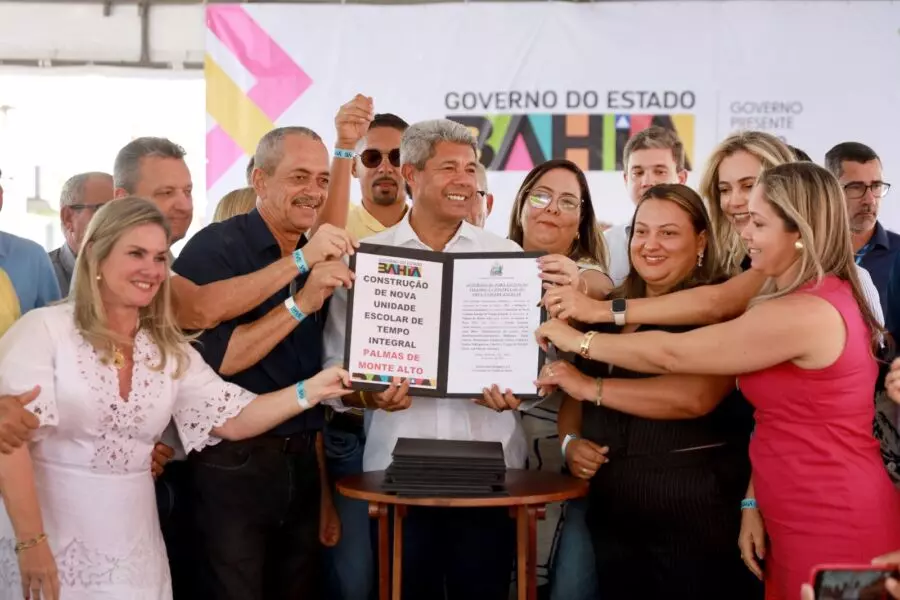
x,y
568,303
562,374
560,334
584,457
333,382
558,270
40,579
752,540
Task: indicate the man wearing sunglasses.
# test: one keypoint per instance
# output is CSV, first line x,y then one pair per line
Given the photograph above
x,y
82,196
376,165
858,169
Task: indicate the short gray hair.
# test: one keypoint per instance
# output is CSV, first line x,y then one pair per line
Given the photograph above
x,y
127,168
270,149
73,188
419,141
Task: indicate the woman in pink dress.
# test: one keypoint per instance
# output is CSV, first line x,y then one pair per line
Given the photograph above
x,y
804,353
113,369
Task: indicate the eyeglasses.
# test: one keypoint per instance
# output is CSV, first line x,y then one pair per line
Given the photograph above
x,y
371,158
857,189
541,200
91,207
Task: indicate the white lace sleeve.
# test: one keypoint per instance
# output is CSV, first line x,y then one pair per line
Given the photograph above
x,y
203,402
26,360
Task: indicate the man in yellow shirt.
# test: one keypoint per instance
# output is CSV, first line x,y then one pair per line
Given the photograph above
x,y
376,164
368,148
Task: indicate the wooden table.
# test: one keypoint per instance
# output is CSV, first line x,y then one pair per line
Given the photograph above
x,y
529,494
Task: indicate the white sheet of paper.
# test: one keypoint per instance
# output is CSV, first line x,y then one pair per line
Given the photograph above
x,y
492,325
396,317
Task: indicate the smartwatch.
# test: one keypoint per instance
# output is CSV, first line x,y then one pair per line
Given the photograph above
x,y
618,311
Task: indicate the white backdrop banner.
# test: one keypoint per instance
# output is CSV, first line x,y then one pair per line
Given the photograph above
x,y
557,80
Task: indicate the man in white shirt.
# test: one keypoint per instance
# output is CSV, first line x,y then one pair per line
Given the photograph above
x,y
467,551
652,156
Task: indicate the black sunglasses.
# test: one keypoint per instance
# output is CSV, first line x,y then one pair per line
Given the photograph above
x,y
371,158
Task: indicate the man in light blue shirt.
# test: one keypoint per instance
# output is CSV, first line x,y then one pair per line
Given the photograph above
x,y
28,267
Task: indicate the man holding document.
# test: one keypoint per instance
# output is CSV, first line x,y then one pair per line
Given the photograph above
x,y
408,336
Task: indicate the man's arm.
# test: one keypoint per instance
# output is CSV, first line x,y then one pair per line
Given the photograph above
x,y
205,306
250,342
352,122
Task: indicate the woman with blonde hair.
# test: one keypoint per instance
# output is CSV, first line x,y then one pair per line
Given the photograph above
x,y
236,202
805,356
113,370
731,172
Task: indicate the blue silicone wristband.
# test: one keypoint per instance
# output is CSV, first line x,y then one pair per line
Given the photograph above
x,y
748,503
341,153
300,261
301,395
292,308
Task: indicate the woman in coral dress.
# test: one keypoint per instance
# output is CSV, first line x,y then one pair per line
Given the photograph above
x,y
804,356
81,520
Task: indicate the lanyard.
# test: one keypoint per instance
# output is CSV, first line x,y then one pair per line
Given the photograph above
x,y
860,254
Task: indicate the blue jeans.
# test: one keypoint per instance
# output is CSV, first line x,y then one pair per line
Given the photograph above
x,y
574,572
350,565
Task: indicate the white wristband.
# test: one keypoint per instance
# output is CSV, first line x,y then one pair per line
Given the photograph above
x,y
569,437
301,396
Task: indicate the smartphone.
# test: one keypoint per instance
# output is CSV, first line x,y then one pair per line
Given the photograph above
x,y
851,582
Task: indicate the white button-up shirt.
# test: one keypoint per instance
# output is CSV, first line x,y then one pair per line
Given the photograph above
x,y
619,253
429,418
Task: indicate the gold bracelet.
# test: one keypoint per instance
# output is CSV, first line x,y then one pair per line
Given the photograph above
x,y
27,545
599,399
586,344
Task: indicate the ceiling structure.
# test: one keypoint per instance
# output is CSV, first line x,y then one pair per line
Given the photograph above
x,y
162,35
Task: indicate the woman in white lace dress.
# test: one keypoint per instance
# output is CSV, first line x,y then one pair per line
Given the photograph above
x,y
113,370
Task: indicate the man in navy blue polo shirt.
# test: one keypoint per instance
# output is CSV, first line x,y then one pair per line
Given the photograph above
x,y
858,169
257,501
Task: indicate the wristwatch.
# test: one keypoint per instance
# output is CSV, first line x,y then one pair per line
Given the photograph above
x,y
618,311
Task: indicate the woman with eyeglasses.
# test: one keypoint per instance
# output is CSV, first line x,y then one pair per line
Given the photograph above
x,y
553,212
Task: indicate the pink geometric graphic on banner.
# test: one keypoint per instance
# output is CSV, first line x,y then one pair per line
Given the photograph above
x,y
221,153
519,158
279,80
